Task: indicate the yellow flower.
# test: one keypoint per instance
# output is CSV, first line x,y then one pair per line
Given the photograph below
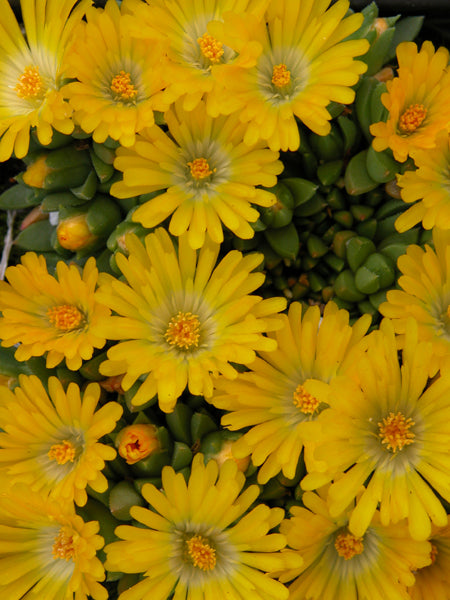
x,y
305,64
341,566
433,581
210,175
427,187
192,51
417,101
50,441
287,389
120,85
47,551
199,540
184,319
44,314
425,296
32,72
389,434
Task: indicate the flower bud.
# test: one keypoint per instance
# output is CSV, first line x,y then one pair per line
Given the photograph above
x,y
73,233
136,442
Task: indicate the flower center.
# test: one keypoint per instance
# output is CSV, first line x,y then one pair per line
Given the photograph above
x,y
394,431
65,317
348,546
122,87
183,331
62,453
64,547
200,168
412,118
29,85
433,553
211,48
201,553
280,75
304,400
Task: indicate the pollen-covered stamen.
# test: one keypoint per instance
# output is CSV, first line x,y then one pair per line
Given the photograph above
x,y
305,401
64,546
122,87
200,168
62,453
65,317
412,118
183,331
29,85
347,545
200,553
394,431
433,553
211,48
280,75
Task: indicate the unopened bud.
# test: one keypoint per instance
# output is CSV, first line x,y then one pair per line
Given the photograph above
x,y
73,233
136,442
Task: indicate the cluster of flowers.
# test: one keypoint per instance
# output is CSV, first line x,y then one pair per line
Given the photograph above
x,y
227,82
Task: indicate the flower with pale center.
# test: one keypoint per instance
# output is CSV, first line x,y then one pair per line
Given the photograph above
x,y
380,430
204,536
416,101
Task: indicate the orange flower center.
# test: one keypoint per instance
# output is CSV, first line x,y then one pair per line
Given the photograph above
x,y
394,431
348,546
280,75
122,87
211,48
304,400
412,118
200,168
62,453
65,317
183,331
201,553
29,85
63,547
433,553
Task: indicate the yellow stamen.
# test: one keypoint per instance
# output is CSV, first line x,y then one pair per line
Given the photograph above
x,y
412,118
200,168
201,553
64,547
183,331
122,87
304,400
348,546
211,48
280,75
65,317
62,453
394,431
433,554
29,85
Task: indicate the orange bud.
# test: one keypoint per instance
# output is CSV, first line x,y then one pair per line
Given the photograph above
x,y
136,442
73,233
226,452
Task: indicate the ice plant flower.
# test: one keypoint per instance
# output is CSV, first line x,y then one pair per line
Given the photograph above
x,y
285,390
183,319
305,64
120,85
427,188
50,315
433,581
192,50
209,174
339,565
50,441
200,541
46,550
136,442
425,296
417,101
32,72
387,433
